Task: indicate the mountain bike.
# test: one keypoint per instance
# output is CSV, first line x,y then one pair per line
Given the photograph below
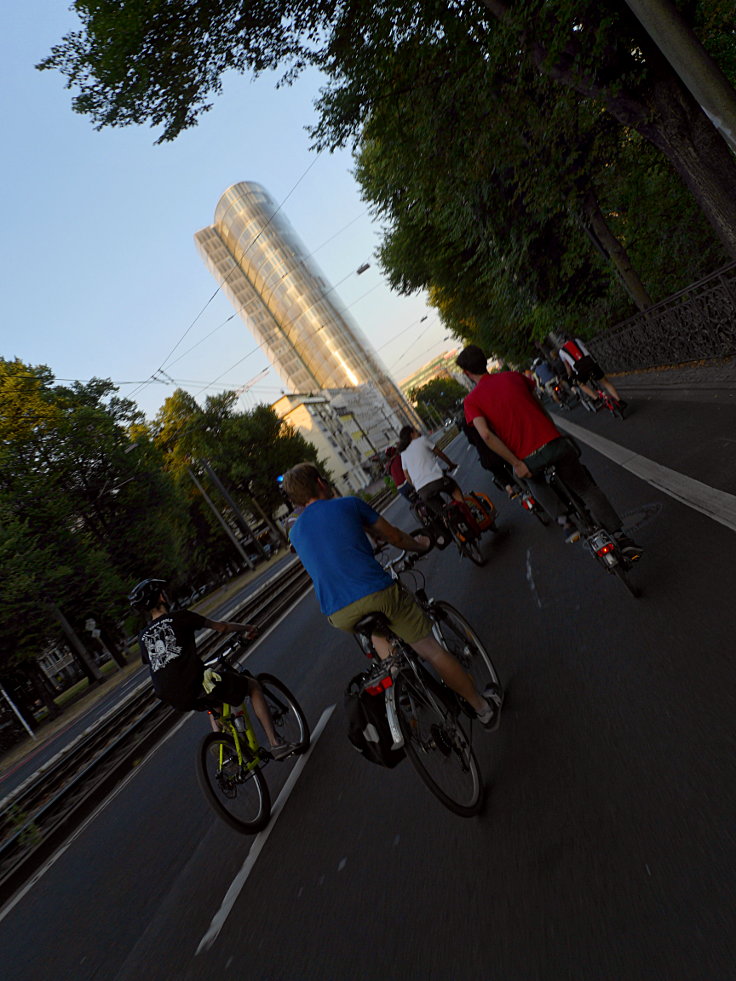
x,y
602,545
430,721
230,762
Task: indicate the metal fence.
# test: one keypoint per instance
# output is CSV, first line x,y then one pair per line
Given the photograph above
x,y
697,323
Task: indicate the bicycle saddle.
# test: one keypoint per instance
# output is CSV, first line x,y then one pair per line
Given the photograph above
x,y
372,623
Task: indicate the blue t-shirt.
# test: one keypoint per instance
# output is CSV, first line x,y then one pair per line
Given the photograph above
x,y
330,539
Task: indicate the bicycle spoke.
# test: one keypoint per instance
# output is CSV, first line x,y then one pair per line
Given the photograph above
x,y
438,747
237,793
456,635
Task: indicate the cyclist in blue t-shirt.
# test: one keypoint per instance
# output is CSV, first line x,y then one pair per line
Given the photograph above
x,y
330,537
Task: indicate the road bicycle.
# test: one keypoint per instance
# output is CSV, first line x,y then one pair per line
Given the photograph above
x,y
431,722
602,545
460,521
606,401
230,762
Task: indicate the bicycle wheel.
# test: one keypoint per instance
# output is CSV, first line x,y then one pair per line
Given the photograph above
x,y
288,719
438,747
238,795
454,633
467,541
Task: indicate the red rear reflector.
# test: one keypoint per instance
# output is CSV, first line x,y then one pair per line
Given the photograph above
x,y
380,686
604,549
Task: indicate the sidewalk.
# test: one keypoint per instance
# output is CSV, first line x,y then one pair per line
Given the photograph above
x,y
48,730
699,381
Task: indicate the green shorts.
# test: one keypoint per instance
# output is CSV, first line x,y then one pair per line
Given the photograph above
x,y
402,611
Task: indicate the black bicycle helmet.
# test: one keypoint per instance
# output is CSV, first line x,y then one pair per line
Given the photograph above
x,y
145,595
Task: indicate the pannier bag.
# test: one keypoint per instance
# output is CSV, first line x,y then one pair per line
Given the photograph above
x,y
482,508
368,728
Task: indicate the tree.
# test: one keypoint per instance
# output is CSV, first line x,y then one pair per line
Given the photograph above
x,y
247,451
83,509
438,399
135,62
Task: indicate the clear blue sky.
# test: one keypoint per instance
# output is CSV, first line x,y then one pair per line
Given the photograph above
x,y
101,275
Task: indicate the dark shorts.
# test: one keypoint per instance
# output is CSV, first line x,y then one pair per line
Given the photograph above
x,y
586,368
233,688
434,487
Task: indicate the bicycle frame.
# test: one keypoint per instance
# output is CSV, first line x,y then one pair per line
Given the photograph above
x,y
596,538
250,759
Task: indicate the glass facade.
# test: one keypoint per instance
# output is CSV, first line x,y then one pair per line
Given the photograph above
x,y
281,294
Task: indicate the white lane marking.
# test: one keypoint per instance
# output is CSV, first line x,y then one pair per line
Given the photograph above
x,y
236,887
716,504
530,578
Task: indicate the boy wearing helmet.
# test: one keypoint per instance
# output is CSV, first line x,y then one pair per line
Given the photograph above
x,y
168,646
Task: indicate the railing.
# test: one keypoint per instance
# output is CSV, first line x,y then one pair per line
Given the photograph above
x,y
697,323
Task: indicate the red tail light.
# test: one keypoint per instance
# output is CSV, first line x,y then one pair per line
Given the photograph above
x,y
380,686
605,549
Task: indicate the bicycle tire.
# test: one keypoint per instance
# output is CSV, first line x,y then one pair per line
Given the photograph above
x,y
623,575
241,798
454,633
468,546
438,748
288,718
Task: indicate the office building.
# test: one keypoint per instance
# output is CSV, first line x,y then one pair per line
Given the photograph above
x,y
342,448
281,294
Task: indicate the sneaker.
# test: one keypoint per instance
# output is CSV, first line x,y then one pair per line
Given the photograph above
x,y
571,532
628,547
491,718
282,750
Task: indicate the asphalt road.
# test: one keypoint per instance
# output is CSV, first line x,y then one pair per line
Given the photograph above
x,y
606,850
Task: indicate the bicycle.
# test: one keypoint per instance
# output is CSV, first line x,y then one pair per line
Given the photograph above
x,y
606,401
424,715
595,538
456,521
230,762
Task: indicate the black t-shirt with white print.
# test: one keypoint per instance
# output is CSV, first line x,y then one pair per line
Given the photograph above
x,y
169,649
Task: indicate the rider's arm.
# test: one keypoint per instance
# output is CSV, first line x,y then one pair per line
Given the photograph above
x,y
229,626
498,446
443,457
395,536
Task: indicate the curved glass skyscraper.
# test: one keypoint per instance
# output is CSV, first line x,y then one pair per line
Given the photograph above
x,y
281,294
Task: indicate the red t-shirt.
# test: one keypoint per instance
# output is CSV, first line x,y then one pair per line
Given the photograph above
x,y
507,403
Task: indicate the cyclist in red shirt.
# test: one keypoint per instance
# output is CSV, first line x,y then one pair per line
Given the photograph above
x,y
509,418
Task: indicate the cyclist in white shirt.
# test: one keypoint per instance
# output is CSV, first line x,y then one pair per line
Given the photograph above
x,y
420,462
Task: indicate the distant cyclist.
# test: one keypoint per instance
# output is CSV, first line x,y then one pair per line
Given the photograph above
x,y
169,648
396,472
581,366
545,377
504,410
498,468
